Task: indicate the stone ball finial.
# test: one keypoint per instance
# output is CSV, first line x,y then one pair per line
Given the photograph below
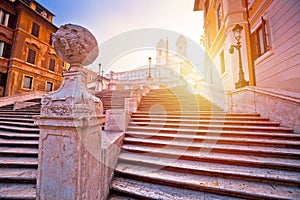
x,y
76,45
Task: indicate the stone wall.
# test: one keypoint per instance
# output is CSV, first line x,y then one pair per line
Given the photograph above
x,y
280,106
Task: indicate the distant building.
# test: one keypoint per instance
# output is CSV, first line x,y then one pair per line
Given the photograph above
x,y
28,61
270,41
168,66
91,76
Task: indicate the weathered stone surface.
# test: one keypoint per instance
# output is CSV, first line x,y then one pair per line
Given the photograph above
x,y
70,126
276,105
75,45
117,120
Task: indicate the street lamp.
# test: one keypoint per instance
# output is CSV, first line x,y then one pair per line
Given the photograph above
x,y
100,68
237,35
149,72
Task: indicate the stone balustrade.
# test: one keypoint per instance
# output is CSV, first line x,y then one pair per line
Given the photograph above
x,y
280,106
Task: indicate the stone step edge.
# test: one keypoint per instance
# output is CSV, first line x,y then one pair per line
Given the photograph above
x,y
232,149
145,190
147,162
190,156
195,134
190,185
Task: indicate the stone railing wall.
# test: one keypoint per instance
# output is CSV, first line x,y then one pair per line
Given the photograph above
x,y
20,98
280,106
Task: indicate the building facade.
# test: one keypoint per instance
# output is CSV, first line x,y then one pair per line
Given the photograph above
x,y
270,41
167,66
28,61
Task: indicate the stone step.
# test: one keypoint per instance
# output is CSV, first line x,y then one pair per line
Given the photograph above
x,y
234,187
186,127
19,143
19,162
213,137
145,121
18,151
13,191
145,190
194,135
17,119
135,116
113,196
23,136
18,124
3,113
17,116
215,169
215,157
19,129
17,175
224,145
196,114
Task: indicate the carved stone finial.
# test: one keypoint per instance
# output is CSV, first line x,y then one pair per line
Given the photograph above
x,y
75,45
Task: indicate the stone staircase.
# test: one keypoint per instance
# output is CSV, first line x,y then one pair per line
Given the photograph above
x,y
113,99
18,152
180,146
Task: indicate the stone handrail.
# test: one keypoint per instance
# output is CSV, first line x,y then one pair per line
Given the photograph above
x,y
277,105
4,101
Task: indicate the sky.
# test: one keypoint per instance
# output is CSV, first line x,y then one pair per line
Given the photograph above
x,y
107,19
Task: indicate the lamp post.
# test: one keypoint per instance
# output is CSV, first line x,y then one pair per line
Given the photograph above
x,y
237,35
149,72
100,78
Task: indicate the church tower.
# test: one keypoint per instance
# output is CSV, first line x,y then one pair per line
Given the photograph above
x,y
161,52
181,45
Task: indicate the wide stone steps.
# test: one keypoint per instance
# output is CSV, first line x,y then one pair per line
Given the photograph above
x,y
184,127
145,121
194,114
175,149
213,138
148,190
216,157
19,140
218,169
183,118
18,136
19,129
113,99
196,135
17,191
208,183
18,175
224,145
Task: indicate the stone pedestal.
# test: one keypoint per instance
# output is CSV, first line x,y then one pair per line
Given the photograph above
x,y
70,161
117,120
70,142
131,104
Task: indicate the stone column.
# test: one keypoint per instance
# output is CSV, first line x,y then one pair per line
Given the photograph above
x,y
70,125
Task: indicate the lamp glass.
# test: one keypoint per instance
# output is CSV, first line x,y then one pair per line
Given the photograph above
x,y
237,31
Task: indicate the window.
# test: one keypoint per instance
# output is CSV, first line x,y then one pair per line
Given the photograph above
x,y
92,78
49,86
7,19
31,56
222,62
3,77
27,82
260,37
27,2
52,65
35,29
5,49
39,9
51,39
